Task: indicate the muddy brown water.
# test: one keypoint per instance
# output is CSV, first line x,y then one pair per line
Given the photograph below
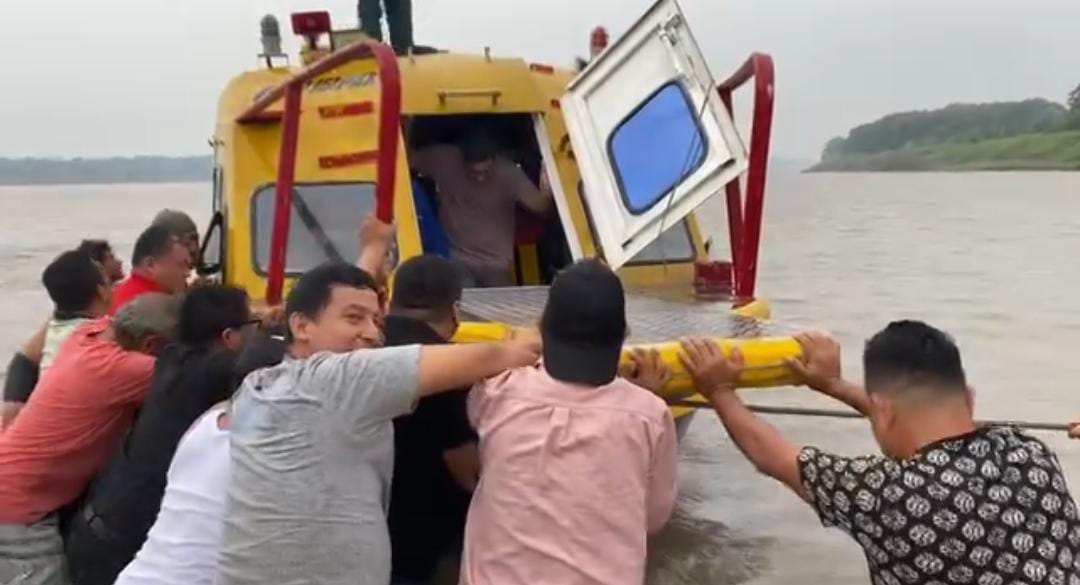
x,y
991,257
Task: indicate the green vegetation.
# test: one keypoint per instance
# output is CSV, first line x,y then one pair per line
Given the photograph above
x,y
1030,135
140,169
1044,151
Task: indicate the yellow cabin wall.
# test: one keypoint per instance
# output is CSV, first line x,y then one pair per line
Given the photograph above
x,y
249,154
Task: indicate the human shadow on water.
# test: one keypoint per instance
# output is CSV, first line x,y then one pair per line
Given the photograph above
x,y
693,550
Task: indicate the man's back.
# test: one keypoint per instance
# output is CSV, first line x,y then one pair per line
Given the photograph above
x,y
126,496
73,422
312,458
987,507
573,480
428,507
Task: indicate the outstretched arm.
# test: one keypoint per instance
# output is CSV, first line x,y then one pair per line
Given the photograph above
x,y
381,384
375,240
715,377
447,367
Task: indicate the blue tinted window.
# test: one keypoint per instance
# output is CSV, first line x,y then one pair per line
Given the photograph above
x,y
656,147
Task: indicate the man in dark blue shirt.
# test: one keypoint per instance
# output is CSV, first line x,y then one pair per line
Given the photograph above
x,y
435,461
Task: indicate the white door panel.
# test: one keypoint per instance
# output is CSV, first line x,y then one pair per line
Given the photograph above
x,y
650,134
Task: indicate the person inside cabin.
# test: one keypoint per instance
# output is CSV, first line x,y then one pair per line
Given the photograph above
x,y
478,189
183,228
102,253
578,462
160,263
74,421
312,438
948,501
80,292
398,19
182,546
190,377
436,464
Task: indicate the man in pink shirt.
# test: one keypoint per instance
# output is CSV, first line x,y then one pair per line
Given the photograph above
x,y
74,421
578,463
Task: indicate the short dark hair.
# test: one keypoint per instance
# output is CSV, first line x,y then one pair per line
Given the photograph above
x,y
429,285
209,310
72,280
155,242
96,249
312,291
479,146
907,353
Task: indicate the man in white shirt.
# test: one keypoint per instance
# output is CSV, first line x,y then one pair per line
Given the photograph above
x,y
182,547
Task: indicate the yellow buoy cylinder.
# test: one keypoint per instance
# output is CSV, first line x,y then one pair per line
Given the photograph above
x,y
765,357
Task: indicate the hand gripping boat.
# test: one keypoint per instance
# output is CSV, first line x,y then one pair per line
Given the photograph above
x,y
633,144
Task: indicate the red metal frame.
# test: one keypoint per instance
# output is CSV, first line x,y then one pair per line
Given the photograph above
x,y
744,218
386,161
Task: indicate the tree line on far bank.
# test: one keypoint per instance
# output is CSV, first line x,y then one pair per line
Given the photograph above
x,y
957,123
139,169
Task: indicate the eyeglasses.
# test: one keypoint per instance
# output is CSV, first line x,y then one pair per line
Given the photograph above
x,y
252,321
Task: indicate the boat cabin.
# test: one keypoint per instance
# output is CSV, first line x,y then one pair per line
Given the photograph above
x,y
632,143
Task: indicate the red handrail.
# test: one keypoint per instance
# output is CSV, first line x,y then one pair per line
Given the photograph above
x,y
386,164
744,220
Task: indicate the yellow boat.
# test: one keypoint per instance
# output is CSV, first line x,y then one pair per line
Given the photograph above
x,y
633,143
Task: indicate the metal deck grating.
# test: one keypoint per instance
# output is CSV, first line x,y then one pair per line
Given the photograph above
x,y
651,319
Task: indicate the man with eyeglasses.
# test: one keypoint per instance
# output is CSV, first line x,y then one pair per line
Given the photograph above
x,y
190,377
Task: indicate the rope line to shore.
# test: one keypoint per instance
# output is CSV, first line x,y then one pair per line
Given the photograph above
x,y
847,414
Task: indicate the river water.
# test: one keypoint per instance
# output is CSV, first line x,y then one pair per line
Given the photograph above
x,y
989,257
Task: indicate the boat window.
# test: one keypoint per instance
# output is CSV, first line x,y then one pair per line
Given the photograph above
x,y
656,147
322,225
210,251
674,245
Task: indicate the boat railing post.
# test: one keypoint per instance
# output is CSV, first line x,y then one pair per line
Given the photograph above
x,y
291,90
279,239
745,218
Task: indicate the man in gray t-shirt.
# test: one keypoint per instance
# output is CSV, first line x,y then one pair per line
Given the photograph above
x,y
478,191
312,438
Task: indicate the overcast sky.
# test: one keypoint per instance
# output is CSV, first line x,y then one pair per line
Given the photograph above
x,y
123,77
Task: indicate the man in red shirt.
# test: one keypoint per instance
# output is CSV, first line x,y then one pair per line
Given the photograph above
x,y
160,264
73,422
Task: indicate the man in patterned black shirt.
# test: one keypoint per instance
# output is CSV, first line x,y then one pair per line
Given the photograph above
x,y
949,502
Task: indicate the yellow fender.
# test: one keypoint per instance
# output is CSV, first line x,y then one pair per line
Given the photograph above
x,y
765,357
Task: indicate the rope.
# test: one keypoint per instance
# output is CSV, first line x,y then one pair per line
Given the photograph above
x,y
846,414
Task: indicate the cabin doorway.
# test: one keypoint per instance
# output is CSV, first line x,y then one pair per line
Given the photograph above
x,y
540,246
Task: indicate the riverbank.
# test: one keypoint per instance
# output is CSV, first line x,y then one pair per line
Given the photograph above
x,y
1054,151
101,171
